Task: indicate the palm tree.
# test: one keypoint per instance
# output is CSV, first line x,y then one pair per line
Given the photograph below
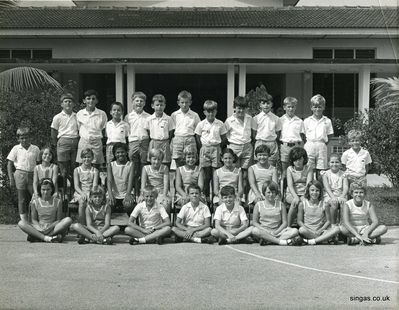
x,y
386,92
8,3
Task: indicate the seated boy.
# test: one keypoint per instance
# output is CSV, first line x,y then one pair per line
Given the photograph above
x,y
194,219
153,219
231,222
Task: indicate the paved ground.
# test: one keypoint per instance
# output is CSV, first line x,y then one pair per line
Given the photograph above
x,y
189,276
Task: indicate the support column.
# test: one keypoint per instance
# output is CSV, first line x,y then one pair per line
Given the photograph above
x,y
230,89
364,89
119,93
242,80
131,86
307,93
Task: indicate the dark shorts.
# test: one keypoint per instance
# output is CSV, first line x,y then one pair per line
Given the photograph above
x,y
67,149
23,180
138,151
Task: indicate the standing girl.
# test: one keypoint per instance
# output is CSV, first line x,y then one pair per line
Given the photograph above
x,y
98,219
313,216
46,169
47,222
270,219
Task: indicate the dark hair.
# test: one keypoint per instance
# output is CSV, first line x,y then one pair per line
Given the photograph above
x,y
158,97
119,145
66,96
296,153
193,186
317,184
263,148
90,92
230,151
272,186
241,102
118,104
227,190
84,152
51,152
45,181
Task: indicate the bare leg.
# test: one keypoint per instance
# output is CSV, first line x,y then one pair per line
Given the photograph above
x,y
292,213
81,230
111,231
30,230
62,226
23,202
82,212
378,231
164,231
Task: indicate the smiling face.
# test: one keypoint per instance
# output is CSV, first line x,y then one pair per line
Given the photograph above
x,y
67,105
298,164
240,112
228,200
317,110
138,104
159,107
263,158
184,104
149,198
194,195
355,144
97,199
290,109
265,105
335,164
358,196
47,156
228,160
156,162
191,159
314,193
87,159
270,195
24,139
116,112
121,156
90,102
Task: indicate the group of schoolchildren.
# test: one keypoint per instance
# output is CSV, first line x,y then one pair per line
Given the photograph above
x,y
315,207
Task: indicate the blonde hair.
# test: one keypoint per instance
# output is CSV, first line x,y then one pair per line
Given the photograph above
x,y
184,94
318,100
190,150
158,97
290,100
210,105
356,186
156,153
354,133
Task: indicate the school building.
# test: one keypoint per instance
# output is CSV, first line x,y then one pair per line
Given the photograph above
x,y
213,51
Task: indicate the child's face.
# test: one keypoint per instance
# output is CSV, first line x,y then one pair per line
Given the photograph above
x,y
270,195
91,102
24,139
355,143
184,104
358,195
46,191
210,115
229,200
47,156
240,112
158,106
120,155
298,163
97,199
194,195
290,109
317,110
67,105
138,104
116,112
191,159
149,198
263,158
335,164
265,105
87,159
228,159
314,192
155,161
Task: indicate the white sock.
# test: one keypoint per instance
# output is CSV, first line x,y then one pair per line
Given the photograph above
x,y
196,239
284,242
47,239
142,240
310,241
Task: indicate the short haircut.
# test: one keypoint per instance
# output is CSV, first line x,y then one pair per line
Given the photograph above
x,y
23,130
210,105
354,133
272,186
156,153
263,148
357,186
296,153
193,186
90,92
158,97
67,96
190,150
265,97
241,102
86,152
335,155
139,94
150,189
45,181
318,185
118,104
51,152
227,190
119,145
290,100
229,151
184,94
98,190
318,100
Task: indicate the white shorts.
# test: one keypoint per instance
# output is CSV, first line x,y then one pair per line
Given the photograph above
x,y
317,154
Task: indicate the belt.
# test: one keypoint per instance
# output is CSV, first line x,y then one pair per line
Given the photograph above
x,y
159,140
291,144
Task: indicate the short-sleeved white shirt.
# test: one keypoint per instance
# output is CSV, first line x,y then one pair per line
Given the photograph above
x,y
159,127
317,130
91,124
194,217
24,159
356,162
149,218
137,123
230,219
210,132
116,132
291,128
185,122
266,125
66,125
238,131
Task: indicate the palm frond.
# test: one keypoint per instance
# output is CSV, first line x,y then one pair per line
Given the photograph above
x,y
386,92
8,3
26,78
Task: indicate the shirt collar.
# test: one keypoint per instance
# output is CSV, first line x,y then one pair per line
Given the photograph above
x,y
64,113
318,120
224,208
96,111
288,118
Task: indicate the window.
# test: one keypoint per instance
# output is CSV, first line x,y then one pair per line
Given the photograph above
x,y
343,53
26,53
365,54
42,54
5,54
322,53
22,54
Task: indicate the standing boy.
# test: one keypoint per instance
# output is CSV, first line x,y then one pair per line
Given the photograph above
x,y
292,131
239,135
160,128
267,126
65,136
318,131
116,130
185,121
91,123
23,158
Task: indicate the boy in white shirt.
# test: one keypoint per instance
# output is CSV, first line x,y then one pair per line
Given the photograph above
x,y
185,121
